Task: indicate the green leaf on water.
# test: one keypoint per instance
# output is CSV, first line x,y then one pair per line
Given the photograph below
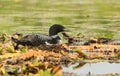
x,y
1,49
24,50
45,73
36,63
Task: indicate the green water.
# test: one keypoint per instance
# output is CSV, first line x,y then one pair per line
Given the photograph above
x,y
90,17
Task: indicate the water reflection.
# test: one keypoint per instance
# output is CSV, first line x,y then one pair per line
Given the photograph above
x,y
100,68
80,65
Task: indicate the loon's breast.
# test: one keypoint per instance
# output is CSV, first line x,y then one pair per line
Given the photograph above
x,y
55,39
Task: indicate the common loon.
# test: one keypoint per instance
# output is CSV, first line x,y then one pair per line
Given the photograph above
x,y
41,39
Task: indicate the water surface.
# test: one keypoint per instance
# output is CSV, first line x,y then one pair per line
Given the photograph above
x,y
94,68
90,17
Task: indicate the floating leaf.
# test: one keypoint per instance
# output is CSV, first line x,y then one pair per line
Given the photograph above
x,y
10,49
56,68
45,73
24,50
81,64
1,49
3,71
36,63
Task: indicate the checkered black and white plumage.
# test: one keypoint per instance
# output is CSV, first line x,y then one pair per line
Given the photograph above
x,y
41,39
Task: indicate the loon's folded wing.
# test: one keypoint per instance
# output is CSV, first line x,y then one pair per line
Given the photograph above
x,y
34,39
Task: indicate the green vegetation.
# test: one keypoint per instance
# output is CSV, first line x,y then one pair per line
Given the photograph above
x,y
104,33
45,73
24,50
79,16
117,55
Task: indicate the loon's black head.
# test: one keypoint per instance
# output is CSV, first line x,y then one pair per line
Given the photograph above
x,y
55,29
